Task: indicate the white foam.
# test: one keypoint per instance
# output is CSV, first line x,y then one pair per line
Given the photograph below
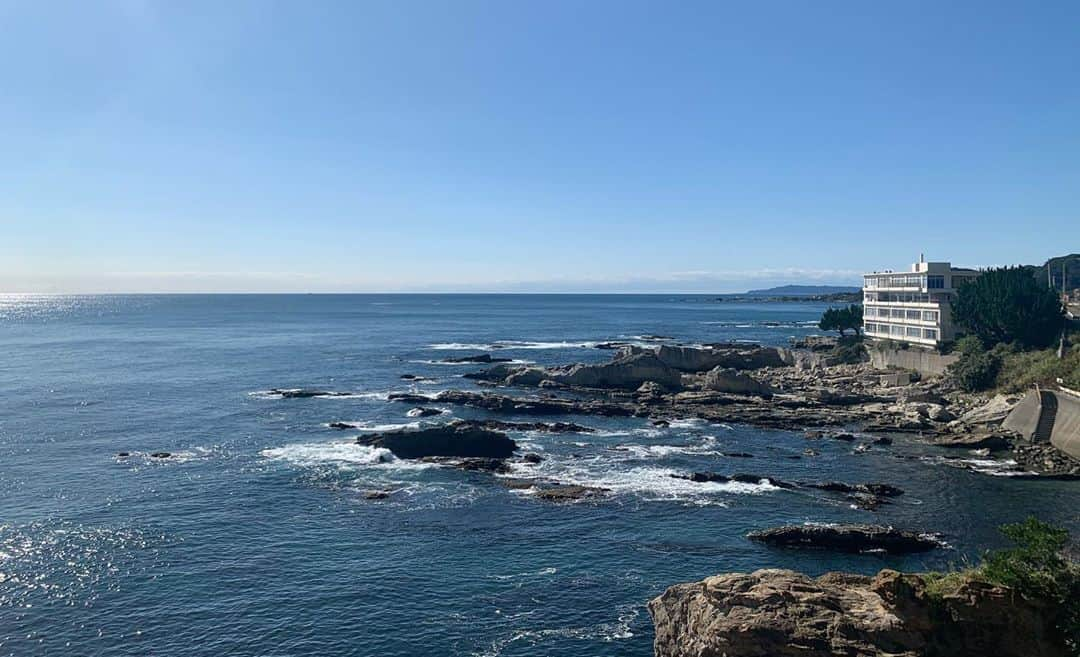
x,y
416,412
340,453
651,483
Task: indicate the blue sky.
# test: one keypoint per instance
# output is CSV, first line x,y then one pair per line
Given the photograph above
x,y
529,146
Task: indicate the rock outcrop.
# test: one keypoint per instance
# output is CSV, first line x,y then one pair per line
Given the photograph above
x,y
782,613
459,439
728,379
847,538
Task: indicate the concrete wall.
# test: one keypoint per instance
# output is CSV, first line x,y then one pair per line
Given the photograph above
x,y
1024,417
1066,435
920,360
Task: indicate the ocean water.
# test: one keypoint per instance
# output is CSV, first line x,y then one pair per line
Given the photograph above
x,y
255,538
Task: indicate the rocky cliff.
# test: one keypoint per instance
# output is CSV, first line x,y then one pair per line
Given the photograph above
x,y
781,613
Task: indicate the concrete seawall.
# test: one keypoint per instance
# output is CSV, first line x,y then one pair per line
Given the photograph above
x,y
920,360
1065,434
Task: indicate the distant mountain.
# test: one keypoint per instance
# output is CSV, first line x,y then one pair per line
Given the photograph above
x,y
804,290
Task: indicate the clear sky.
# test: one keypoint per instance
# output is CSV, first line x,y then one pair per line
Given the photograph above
x,y
529,145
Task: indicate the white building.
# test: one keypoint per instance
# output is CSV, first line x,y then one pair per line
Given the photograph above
x,y
913,307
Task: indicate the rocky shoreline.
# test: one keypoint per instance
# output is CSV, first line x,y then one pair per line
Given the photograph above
x,y
783,613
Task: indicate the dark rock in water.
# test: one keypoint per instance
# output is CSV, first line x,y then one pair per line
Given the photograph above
x,y
991,441
847,538
414,377
570,493
867,502
782,613
661,423
376,494
123,455
461,438
411,397
497,466
715,477
833,435
478,358
341,425
612,345
517,484
423,411
160,455
881,440
302,393
882,490
532,457
737,455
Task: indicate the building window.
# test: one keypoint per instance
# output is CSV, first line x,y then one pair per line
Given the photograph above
x,y
913,332
929,315
914,314
935,282
930,334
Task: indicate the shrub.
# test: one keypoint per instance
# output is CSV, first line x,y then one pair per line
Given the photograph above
x,y
976,369
849,352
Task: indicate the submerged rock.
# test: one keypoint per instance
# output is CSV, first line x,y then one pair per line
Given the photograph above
x,y
782,613
881,490
570,493
715,477
160,455
477,358
303,393
342,425
847,538
461,438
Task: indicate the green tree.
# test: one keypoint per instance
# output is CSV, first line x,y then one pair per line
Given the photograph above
x,y
1009,305
842,319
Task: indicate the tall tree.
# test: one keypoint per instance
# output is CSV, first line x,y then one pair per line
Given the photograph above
x,y
842,319
1009,305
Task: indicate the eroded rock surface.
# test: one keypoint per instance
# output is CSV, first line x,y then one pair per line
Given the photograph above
x,y
782,613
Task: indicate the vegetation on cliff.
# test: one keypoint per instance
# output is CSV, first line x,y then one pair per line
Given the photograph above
x,y
1010,368
1035,568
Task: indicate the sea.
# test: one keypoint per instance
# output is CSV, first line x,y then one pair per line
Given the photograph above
x,y
256,536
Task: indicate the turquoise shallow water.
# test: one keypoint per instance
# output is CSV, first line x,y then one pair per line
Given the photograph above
x,y
256,539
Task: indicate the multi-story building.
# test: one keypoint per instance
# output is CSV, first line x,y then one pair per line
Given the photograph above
x,y
913,307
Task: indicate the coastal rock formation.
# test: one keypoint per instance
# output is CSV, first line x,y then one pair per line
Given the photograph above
x,y
569,493
991,413
715,477
734,356
880,490
1046,460
847,538
782,613
727,379
461,439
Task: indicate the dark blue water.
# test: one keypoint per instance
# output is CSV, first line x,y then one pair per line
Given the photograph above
x,y
255,537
